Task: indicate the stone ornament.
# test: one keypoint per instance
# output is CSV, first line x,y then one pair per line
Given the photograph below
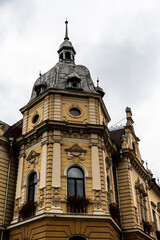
x,y
32,157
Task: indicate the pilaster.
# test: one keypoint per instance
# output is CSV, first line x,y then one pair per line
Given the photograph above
x,y
25,122
57,107
56,172
125,194
92,111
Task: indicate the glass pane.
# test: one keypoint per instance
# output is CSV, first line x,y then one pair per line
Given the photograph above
x,y
35,178
71,187
32,187
35,192
75,112
80,188
75,173
31,193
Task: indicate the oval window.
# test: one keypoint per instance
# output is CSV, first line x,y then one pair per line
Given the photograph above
x,y
75,112
35,119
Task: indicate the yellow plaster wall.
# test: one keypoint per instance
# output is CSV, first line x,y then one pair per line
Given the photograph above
x,y
66,160
125,194
154,198
135,177
82,104
63,229
28,167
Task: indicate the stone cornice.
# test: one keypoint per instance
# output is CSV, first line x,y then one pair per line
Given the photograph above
x,y
67,216
132,131
136,164
50,125
139,232
65,93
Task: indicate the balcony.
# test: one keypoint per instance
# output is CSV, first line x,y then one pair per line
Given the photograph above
x,y
27,210
77,204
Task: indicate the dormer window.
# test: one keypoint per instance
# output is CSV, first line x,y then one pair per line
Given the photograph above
x,y
74,82
39,88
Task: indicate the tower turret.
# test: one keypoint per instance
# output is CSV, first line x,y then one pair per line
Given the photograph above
x,y
66,50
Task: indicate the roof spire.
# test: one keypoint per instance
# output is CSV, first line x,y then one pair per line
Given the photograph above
x,y
66,33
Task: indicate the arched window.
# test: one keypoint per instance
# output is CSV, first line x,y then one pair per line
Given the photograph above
x,y
32,187
77,238
75,182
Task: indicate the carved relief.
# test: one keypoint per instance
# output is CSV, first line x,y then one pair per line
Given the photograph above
x,y
33,157
33,140
97,194
42,193
56,197
80,134
124,142
76,153
140,187
16,208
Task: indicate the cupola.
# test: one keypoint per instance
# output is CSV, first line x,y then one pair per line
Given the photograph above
x,y
66,50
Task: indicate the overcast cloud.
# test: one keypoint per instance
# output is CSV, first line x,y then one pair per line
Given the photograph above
x,y
118,40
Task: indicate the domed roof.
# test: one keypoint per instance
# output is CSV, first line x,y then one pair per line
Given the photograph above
x,y
64,76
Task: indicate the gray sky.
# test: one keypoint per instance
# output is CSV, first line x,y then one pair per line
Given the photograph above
x,y
118,40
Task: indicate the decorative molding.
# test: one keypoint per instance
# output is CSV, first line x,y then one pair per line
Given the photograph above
x,y
97,195
42,194
33,157
140,187
56,199
17,204
27,175
75,151
80,165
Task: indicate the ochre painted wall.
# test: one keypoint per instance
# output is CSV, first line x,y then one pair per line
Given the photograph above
x,y
63,229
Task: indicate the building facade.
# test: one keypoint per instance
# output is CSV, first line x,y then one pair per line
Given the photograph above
x,y
64,174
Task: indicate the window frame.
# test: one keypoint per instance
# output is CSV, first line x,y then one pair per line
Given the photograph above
x,y
75,181
34,185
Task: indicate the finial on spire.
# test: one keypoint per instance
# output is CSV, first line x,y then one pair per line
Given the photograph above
x,y
97,82
146,165
66,33
40,74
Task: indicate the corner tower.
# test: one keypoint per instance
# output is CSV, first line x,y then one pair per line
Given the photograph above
x,y
65,164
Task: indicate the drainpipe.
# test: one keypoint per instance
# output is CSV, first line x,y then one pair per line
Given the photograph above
x,y
7,183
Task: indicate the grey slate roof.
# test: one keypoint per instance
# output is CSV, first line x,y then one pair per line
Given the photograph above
x,y
58,76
